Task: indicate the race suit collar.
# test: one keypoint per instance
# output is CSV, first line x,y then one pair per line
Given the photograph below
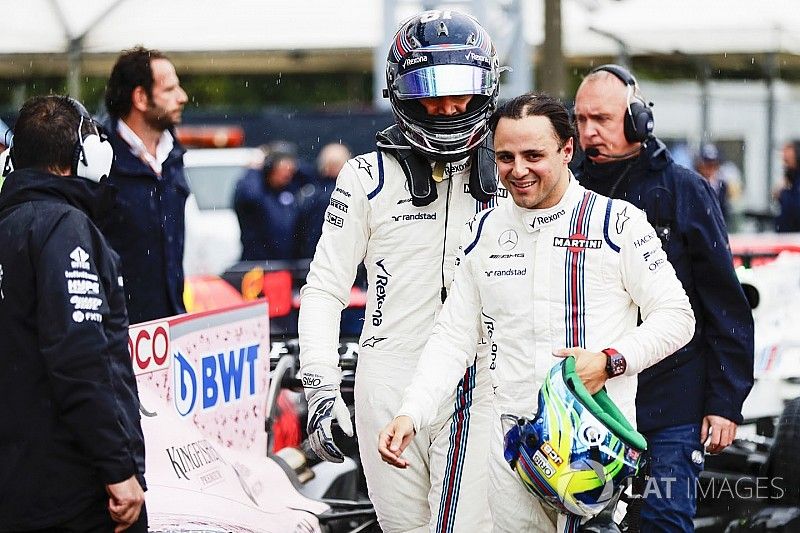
x,y
458,168
536,219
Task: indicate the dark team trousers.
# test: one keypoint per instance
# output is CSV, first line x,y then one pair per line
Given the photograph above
x,y
96,519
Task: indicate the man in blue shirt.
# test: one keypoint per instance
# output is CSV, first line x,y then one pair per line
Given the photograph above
x,y
144,100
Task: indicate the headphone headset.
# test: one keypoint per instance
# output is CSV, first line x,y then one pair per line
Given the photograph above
x,y
92,155
639,119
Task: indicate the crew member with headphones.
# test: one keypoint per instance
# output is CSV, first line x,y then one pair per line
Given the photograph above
x,y
693,398
73,450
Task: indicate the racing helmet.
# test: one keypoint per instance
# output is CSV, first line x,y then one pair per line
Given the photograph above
x,y
442,53
577,451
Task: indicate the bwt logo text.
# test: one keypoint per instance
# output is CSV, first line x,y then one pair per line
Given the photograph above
x,y
221,379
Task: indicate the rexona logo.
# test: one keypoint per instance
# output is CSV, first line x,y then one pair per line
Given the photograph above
x,y
538,221
222,378
453,168
472,56
414,61
381,283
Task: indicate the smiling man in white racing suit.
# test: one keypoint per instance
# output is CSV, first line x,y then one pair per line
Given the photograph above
x,y
400,210
559,271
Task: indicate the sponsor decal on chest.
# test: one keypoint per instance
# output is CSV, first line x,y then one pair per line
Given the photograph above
x,y
577,243
546,219
413,217
381,284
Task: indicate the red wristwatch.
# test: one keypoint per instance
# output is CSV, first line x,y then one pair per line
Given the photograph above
x,y
615,363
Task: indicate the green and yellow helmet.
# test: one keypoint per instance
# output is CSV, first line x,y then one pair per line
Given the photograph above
x,y
578,449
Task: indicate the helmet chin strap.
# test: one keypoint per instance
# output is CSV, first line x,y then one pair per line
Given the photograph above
x,y
421,179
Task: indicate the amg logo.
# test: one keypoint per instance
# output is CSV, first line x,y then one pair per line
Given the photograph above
x,y
404,201
501,192
335,220
338,204
417,216
644,240
577,243
506,272
505,256
414,60
381,282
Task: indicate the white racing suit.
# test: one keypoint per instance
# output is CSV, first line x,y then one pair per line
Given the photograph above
x,y
576,274
409,254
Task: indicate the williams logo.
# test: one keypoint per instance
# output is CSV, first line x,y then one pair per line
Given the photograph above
x,y
508,240
577,243
381,283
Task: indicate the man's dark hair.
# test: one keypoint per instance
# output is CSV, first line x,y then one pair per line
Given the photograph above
x,y
131,70
537,104
45,133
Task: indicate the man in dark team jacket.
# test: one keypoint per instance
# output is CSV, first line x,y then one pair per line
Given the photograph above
x,y
694,396
71,444
146,226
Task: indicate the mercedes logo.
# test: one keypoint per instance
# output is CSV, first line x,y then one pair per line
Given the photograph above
x,y
508,240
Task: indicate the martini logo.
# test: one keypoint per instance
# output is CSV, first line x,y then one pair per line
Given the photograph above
x,y
577,243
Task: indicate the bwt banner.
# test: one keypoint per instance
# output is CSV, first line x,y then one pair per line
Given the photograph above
x,y
211,367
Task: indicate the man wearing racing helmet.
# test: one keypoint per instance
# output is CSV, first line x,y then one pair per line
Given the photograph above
x,y
560,271
399,210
